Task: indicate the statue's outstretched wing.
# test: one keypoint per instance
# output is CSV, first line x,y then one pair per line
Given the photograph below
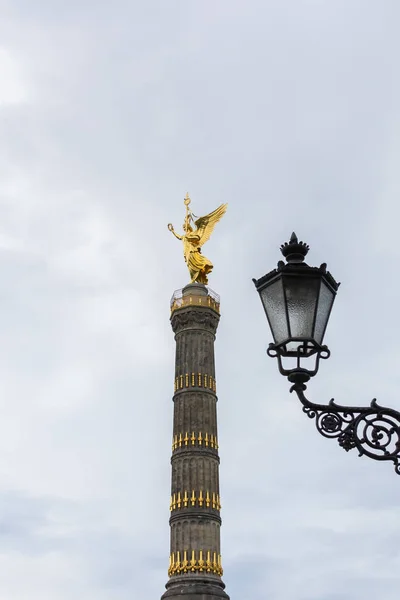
x,y
205,225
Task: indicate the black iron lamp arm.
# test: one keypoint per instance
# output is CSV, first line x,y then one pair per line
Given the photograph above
x,y
374,430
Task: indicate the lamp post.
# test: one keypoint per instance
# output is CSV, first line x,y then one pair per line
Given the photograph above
x,y
298,300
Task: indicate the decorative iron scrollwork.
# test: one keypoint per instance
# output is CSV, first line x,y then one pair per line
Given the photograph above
x,y
374,430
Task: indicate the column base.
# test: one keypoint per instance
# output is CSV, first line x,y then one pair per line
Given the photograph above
x,y
194,590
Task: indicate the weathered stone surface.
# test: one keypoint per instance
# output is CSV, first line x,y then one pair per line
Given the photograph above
x,y
195,411
195,522
195,591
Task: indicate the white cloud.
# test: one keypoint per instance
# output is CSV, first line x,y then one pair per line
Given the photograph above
x,y
14,88
108,115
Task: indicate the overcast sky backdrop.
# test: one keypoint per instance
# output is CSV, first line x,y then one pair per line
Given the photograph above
x,y
109,113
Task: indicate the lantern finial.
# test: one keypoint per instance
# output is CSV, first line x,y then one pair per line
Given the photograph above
x,y
294,251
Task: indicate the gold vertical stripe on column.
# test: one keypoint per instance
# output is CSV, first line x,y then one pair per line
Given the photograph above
x,y
183,499
207,440
200,561
189,380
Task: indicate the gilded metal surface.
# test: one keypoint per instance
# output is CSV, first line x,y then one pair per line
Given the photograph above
x,y
212,300
186,499
203,561
195,380
193,239
194,301
207,440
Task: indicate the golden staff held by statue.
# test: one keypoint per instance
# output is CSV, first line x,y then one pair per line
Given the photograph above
x,y
193,239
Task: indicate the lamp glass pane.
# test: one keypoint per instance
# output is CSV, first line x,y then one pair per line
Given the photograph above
x,y
326,298
301,297
273,300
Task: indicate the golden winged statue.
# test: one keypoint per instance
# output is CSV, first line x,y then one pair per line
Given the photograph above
x,y
193,239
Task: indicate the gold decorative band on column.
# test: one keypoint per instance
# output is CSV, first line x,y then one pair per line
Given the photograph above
x,y
179,301
201,499
189,380
200,561
208,440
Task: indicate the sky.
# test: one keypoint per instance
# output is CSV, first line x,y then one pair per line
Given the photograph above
x,y
109,113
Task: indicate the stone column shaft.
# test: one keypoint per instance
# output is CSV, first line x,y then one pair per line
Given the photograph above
x,y
195,568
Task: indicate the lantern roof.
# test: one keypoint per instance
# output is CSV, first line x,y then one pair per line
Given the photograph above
x,y
294,253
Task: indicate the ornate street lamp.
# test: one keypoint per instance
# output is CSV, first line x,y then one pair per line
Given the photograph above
x,y
298,300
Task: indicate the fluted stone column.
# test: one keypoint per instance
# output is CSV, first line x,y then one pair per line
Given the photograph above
x,y
195,564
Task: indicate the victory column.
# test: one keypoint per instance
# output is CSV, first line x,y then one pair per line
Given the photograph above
x,y
195,565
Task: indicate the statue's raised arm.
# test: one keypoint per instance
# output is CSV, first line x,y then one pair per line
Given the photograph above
x,y
193,239
171,228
